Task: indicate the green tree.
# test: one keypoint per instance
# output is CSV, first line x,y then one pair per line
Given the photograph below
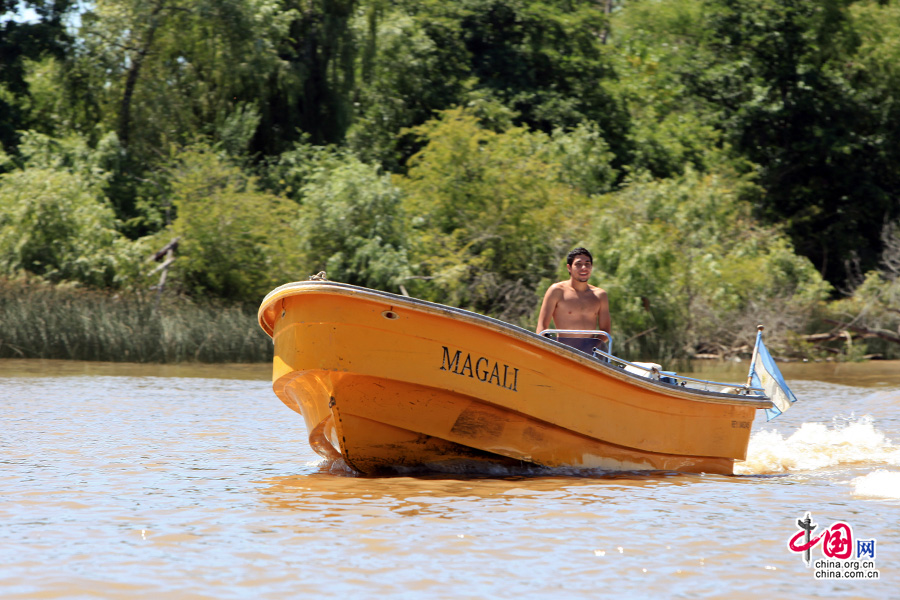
x,y
162,74
489,215
778,74
410,66
53,224
873,309
236,242
165,71
536,64
56,221
689,271
656,44
311,90
21,42
546,61
351,225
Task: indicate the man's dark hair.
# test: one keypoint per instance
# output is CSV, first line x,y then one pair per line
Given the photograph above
x,y
578,252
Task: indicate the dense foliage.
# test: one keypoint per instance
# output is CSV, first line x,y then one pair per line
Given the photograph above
x,y
728,161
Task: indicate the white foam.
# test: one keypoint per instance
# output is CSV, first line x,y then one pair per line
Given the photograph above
x,y
878,484
816,446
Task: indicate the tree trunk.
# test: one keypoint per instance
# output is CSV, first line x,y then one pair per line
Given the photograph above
x,y
134,71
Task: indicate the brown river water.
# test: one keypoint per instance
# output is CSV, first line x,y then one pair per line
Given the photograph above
x,y
131,481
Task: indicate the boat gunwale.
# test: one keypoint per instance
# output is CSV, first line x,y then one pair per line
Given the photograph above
x,y
519,333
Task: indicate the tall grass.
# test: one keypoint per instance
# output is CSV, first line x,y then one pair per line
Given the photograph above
x,y
38,320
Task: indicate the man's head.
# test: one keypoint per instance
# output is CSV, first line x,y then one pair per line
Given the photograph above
x,y
579,262
579,252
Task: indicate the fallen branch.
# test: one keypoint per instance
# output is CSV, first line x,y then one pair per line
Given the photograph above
x,y
157,256
866,332
164,265
816,338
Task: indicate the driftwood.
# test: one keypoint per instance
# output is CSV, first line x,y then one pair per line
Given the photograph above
x,y
817,338
167,252
862,332
165,265
171,246
848,333
844,331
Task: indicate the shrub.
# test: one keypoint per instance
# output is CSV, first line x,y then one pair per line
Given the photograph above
x,y
53,224
689,271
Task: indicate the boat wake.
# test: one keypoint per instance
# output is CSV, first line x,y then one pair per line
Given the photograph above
x,y
818,446
854,442
878,484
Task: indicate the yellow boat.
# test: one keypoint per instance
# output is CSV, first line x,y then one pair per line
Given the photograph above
x,y
392,383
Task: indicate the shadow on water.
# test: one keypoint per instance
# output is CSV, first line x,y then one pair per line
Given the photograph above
x,y
335,482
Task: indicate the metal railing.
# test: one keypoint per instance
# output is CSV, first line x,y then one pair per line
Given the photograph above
x,y
681,380
656,374
593,332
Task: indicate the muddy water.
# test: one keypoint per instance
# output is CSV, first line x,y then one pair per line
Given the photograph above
x,y
125,481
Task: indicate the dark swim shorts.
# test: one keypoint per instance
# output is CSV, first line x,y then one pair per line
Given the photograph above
x,y
585,345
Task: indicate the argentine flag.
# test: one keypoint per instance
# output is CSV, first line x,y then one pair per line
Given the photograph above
x,y
764,374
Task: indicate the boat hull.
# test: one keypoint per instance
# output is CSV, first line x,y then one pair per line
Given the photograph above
x,y
389,383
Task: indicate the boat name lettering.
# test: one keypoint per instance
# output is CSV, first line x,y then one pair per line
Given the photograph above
x,y
481,368
740,424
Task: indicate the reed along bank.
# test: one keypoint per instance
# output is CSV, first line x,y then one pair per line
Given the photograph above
x,y
38,320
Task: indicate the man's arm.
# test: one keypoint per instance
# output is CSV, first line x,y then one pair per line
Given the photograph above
x,y
548,307
603,319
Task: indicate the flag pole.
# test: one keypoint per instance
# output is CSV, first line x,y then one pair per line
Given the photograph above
x,y
759,330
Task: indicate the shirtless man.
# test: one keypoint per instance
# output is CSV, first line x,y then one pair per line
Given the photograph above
x,y
574,304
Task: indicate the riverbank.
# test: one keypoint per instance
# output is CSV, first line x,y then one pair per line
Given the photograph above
x,y
44,367
870,373
42,321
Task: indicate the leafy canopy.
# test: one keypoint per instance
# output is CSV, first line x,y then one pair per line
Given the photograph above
x,y
684,263
236,240
490,213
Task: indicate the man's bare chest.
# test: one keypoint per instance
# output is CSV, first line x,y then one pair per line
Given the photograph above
x,y
580,303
